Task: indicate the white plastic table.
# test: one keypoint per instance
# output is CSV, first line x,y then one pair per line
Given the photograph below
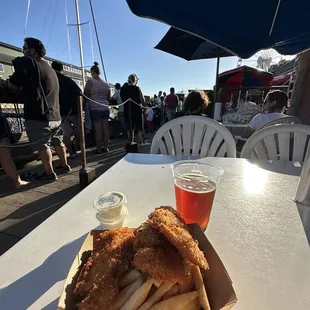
x,y
255,228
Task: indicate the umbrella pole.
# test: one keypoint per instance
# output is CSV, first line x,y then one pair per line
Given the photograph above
x,y
217,75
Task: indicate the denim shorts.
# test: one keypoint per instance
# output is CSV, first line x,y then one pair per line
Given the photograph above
x,y
99,115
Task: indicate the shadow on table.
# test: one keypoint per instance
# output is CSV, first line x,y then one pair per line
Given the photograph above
x,y
153,159
278,166
52,305
22,293
304,213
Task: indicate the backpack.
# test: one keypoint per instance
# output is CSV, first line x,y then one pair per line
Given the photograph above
x,y
27,68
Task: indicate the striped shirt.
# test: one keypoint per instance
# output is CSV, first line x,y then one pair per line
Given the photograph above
x,y
99,91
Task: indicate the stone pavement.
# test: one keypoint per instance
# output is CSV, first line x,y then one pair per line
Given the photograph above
x,y
23,210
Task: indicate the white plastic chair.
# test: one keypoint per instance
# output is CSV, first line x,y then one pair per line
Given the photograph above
x,y
196,136
281,120
278,121
287,142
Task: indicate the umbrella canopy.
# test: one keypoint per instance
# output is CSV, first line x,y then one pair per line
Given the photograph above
x,y
189,47
239,26
244,77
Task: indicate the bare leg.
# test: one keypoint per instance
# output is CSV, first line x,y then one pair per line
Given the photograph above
x,y
106,134
98,134
9,167
67,141
46,157
141,135
61,153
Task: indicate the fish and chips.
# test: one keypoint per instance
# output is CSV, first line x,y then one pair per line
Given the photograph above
x,y
156,267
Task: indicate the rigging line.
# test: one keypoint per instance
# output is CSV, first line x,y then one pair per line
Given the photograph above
x,y
62,52
46,17
53,23
91,43
68,32
99,47
27,14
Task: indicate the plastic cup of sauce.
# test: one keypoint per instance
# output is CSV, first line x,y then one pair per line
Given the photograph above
x,y
111,210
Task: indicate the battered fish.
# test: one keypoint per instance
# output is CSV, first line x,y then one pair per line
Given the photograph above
x,y
155,255
112,257
168,221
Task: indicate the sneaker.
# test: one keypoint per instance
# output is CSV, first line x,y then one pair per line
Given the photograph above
x,y
44,177
66,168
105,150
145,143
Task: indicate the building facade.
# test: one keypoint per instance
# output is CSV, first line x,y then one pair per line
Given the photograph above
x,y
9,52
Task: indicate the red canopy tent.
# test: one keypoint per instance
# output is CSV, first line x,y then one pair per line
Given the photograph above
x,y
281,79
242,77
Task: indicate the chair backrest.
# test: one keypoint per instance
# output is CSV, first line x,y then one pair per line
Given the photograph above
x,y
196,136
282,120
287,142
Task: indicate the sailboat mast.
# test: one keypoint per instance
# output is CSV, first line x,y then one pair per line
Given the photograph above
x,y
80,40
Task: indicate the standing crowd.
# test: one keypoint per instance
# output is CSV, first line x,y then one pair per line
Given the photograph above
x,y
52,101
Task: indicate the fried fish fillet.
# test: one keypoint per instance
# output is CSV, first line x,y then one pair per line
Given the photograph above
x,y
155,255
172,226
113,239
101,296
148,236
97,282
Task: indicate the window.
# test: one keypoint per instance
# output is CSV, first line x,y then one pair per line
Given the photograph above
x,y
1,68
66,68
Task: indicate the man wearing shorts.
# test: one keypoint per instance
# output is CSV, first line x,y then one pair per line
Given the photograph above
x,y
133,110
69,96
40,89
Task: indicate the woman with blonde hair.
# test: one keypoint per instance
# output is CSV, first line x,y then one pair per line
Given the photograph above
x,y
194,103
99,91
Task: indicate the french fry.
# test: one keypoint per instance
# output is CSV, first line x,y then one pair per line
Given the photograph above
x,y
125,293
138,297
187,285
174,290
200,287
193,305
176,302
159,293
128,278
157,283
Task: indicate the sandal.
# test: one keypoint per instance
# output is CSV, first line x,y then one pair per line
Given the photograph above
x,y
20,186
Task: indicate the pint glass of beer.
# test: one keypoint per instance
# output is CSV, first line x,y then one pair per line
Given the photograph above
x,y
195,185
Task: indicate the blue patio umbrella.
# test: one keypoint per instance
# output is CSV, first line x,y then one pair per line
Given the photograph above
x,y
190,47
242,27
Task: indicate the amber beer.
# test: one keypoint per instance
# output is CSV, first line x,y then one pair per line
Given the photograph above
x,y
195,185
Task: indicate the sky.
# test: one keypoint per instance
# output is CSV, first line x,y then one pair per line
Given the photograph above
x,y
127,42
